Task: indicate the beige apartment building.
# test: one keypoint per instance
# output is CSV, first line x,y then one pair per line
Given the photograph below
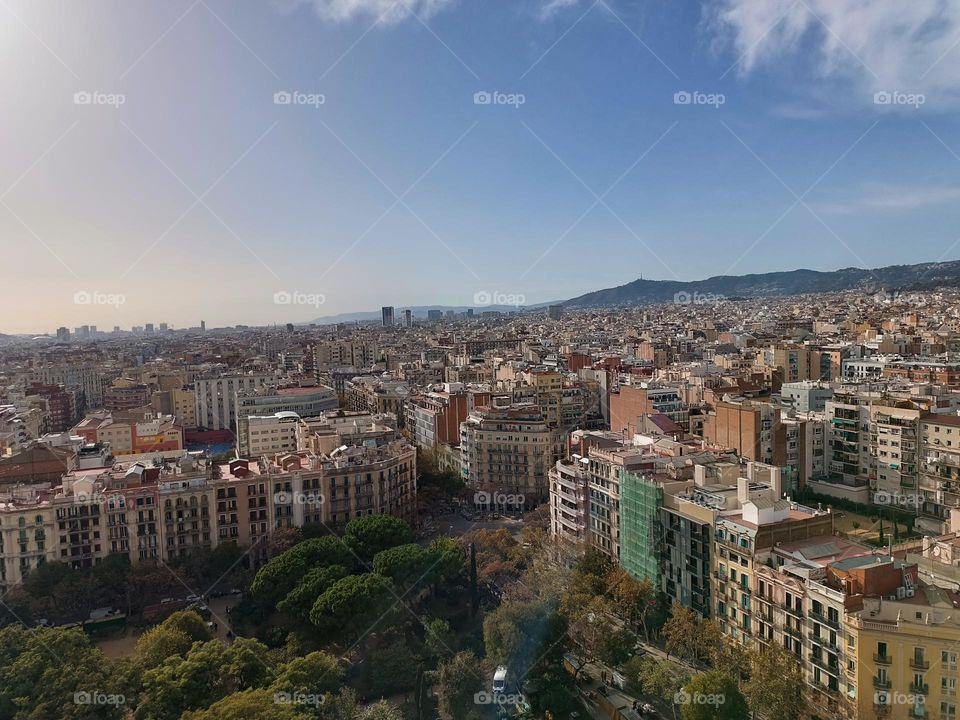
x,y
507,452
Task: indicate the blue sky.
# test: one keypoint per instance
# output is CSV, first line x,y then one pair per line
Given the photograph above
x,y
183,191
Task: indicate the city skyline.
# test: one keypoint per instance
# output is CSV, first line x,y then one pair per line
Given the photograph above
x,y
295,147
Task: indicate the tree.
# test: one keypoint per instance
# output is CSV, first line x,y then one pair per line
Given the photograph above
x,y
635,602
594,563
513,635
404,564
776,685
592,630
247,663
185,683
194,626
440,640
459,680
654,678
682,633
370,534
351,605
278,577
447,560
160,643
712,695
499,556
43,672
381,711
318,672
301,599
259,704
390,670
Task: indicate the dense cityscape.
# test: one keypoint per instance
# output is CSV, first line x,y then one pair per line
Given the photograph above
x,y
622,511
461,360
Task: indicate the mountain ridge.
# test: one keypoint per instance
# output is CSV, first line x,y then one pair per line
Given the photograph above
x,y
775,284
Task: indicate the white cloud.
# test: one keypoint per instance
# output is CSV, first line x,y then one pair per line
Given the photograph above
x,y
876,45
878,196
550,7
389,12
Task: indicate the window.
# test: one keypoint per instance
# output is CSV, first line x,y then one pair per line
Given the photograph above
x,y
948,660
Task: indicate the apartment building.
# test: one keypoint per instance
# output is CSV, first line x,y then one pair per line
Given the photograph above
x,y
570,500
133,432
273,401
631,401
331,354
14,433
216,397
28,535
939,476
179,402
894,450
606,466
748,427
687,520
126,394
378,395
60,405
744,540
806,396
434,417
508,450
89,378
269,434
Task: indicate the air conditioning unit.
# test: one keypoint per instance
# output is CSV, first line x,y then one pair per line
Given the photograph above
x,y
910,592
901,592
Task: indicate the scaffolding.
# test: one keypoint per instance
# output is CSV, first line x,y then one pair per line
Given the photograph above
x,y
640,541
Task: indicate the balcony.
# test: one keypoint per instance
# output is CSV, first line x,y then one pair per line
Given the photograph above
x,y
796,612
921,688
881,684
882,659
832,668
919,664
824,641
881,709
823,619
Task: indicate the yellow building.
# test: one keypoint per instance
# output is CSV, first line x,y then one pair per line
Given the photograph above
x,y
907,652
